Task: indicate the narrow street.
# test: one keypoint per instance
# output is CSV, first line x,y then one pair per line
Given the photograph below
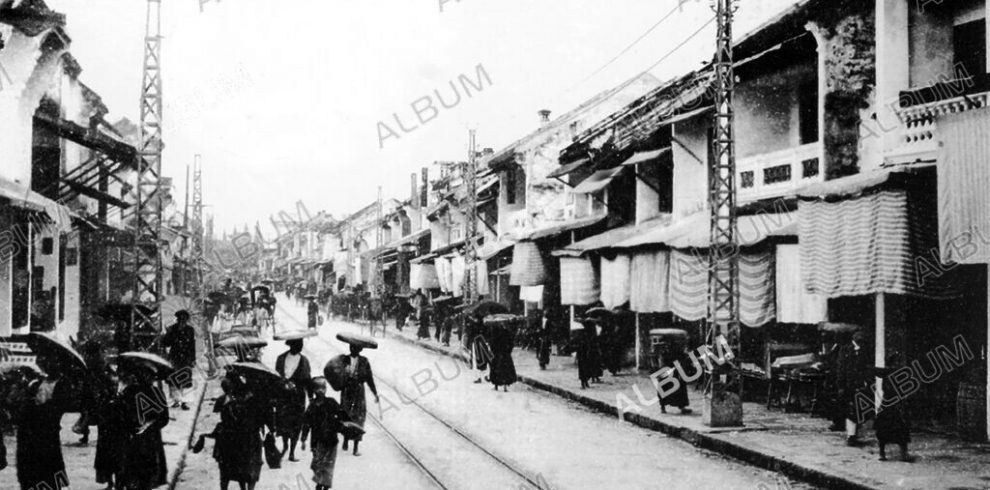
x,y
553,442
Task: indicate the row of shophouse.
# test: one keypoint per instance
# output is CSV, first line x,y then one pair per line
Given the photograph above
x,y
67,189
861,147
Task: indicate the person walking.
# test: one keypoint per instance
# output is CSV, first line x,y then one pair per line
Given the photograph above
x,y
584,337
294,367
891,424
323,421
674,361
503,371
238,434
180,339
39,404
544,335
851,375
357,374
145,415
312,312
110,438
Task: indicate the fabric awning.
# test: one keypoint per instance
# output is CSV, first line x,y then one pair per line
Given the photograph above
x,y
569,168
871,244
597,181
963,200
411,238
649,288
428,258
693,231
645,156
616,273
556,229
610,238
491,249
578,281
529,266
689,286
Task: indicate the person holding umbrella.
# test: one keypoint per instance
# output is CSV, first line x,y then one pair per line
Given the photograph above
x,y
503,370
145,415
180,339
238,435
38,407
355,373
294,367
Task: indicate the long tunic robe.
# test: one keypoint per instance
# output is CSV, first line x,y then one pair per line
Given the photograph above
x,y
293,404
503,372
144,465
323,421
39,447
238,446
352,396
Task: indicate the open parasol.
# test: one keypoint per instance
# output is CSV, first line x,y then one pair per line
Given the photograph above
x,y
482,309
240,342
257,374
59,352
358,340
161,367
599,312
294,335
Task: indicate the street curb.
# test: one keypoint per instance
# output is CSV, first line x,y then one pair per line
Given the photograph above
x,y
180,465
702,440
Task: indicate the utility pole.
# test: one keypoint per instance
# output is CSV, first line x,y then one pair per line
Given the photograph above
x,y
379,243
470,252
723,404
148,278
199,258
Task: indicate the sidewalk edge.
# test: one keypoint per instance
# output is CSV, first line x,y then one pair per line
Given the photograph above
x,y
746,455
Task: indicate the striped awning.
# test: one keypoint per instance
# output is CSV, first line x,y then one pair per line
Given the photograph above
x,y
689,286
693,231
870,244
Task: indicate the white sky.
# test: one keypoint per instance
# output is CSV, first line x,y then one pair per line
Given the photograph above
x,y
282,98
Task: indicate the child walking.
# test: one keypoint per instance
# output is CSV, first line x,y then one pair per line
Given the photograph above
x,y
323,421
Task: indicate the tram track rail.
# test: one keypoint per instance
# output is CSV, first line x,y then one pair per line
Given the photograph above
x,y
525,480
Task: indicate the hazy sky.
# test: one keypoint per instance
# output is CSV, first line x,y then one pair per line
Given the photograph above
x,y
282,98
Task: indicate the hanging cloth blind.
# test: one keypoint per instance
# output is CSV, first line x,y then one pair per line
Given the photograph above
x,y
688,284
528,265
615,280
578,281
757,304
423,276
649,290
794,304
963,174
457,275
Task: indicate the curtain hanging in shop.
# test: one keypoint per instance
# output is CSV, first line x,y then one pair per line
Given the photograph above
x,y
533,294
457,275
615,280
963,200
528,265
757,304
444,274
578,281
689,284
794,304
423,276
871,244
481,276
649,290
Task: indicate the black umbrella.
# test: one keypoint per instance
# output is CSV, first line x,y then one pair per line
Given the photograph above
x,y
161,367
482,309
57,351
241,342
258,375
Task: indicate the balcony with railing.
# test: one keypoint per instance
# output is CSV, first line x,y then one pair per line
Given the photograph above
x,y
919,109
776,173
